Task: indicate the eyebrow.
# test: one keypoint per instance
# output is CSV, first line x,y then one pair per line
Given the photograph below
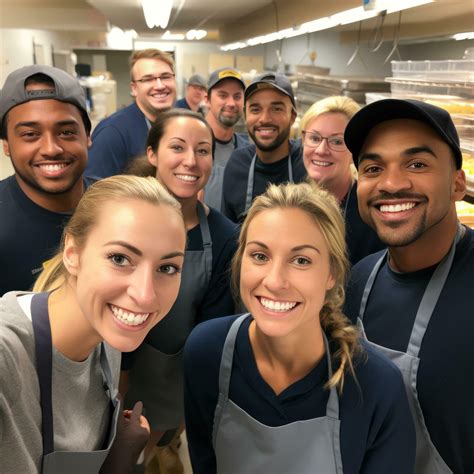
x,y
279,102
294,249
408,152
32,123
184,141
140,253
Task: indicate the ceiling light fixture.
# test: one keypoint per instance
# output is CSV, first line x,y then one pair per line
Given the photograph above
x,y
464,36
167,35
196,34
353,15
157,12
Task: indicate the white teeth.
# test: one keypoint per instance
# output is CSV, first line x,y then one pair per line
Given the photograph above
x,y
321,163
186,177
55,167
397,207
128,318
277,306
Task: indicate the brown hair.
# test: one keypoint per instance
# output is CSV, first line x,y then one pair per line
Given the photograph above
x,y
150,53
113,189
323,208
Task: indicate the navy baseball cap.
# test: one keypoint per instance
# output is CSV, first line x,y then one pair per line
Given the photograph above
x,y
66,89
224,73
371,115
271,80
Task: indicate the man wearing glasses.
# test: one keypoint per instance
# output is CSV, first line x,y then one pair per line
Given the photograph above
x,y
122,136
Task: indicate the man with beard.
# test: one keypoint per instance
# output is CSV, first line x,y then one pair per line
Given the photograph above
x,y
225,100
46,133
270,111
415,301
122,136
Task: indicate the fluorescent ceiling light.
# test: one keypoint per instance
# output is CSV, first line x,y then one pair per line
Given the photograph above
x,y
157,13
167,35
196,34
464,36
345,17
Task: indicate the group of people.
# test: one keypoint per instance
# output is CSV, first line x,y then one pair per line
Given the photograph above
x,y
130,251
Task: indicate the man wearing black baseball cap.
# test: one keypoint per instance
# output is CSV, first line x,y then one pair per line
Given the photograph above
x,y
270,111
225,102
415,301
46,133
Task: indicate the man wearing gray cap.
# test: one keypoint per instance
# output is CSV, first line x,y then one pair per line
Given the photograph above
x,y
196,90
270,111
46,132
225,101
415,301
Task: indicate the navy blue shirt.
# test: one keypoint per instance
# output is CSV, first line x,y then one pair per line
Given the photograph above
x,y
183,104
377,433
116,141
237,172
361,239
217,300
445,381
29,236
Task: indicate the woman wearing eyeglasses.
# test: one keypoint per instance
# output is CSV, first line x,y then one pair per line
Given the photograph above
x,y
328,162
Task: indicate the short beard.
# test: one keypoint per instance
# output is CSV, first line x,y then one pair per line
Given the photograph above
x,y
281,138
228,121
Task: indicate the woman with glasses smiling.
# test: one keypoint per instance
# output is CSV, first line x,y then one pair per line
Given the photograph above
x,y
328,162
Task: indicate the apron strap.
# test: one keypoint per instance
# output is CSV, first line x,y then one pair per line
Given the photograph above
x,y
370,284
290,169
206,238
332,408
107,375
225,369
431,296
249,193
44,362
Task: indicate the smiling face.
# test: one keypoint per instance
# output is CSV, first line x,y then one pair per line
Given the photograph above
x,y
47,144
226,102
183,159
153,96
127,275
269,115
323,164
285,272
195,94
408,183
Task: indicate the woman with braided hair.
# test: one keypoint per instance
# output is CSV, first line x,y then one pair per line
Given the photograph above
x,y
289,387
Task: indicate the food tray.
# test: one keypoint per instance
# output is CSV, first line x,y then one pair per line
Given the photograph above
x,y
457,70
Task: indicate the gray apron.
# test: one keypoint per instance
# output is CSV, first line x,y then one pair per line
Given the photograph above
x,y
243,445
250,181
60,462
428,460
156,377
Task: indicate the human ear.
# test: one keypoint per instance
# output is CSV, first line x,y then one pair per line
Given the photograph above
x,y
6,147
459,185
330,283
133,89
152,158
71,255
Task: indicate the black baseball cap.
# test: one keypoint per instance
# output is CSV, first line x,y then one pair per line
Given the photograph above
x,y
66,89
224,73
271,80
371,115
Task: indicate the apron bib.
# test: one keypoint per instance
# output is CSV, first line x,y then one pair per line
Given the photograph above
x,y
250,181
428,460
60,462
243,445
156,377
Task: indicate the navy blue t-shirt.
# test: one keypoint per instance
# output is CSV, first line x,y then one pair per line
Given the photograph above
x,y
29,236
217,300
237,172
361,239
116,141
377,433
445,382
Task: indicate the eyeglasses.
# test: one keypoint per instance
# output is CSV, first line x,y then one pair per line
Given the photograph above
x,y
314,139
164,78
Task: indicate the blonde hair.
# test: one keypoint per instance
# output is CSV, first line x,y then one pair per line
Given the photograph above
x,y
112,189
150,53
323,208
334,104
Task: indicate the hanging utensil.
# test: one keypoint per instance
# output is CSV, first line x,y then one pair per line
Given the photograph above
x,y
396,37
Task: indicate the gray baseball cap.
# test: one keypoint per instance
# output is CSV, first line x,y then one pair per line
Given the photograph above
x,y
271,80
66,89
197,80
224,73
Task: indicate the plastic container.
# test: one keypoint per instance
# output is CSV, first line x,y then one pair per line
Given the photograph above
x,y
452,70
